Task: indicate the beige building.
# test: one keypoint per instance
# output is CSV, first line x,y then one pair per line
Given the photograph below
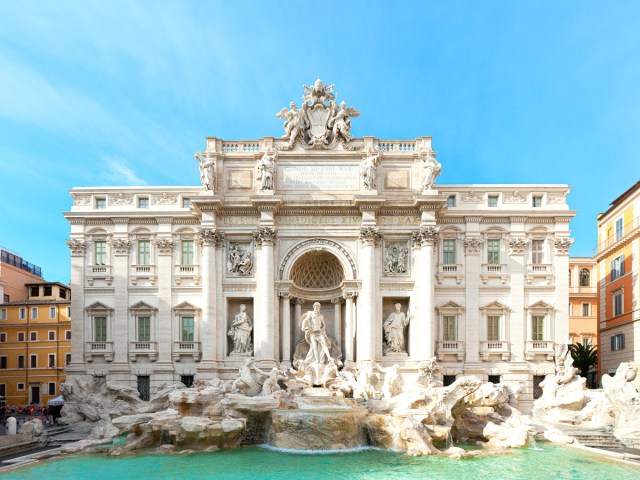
x,y
177,283
583,301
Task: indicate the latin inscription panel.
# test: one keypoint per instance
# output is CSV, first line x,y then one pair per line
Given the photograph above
x,y
318,177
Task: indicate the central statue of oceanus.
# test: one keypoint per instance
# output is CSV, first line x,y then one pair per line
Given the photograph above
x,y
319,122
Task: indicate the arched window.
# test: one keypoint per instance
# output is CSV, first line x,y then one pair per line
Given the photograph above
x,y
585,277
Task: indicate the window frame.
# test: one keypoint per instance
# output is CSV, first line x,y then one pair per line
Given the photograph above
x,y
617,307
617,342
192,252
618,229
49,389
22,313
53,313
100,203
3,337
538,251
3,313
492,200
100,256
143,255
33,336
493,330
49,362
147,328
192,327
538,322
143,202
451,201
587,310
33,364
102,330
34,313
449,255
536,201
491,253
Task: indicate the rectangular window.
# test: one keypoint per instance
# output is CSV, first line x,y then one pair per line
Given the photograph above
x,y
619,228
68,312
6,298
101,202
33,336
617,342
52,313
493,328
34,361
3,337
3,362
3,390
143,202
3,313
100,329
536,201
493,252
144,329
48,291
35,291
144,387
186,202
22,313
52,334
449,252
537,252
20,386
52,388
144,252
186,329
21,336
52,360
618,299
63,293
492,201
586,309
34,313
187,252
586,341
67,359
451,201
67,334
100,252
617,267
20,361
537,327
449,330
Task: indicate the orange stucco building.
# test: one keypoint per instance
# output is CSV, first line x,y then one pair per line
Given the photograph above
x,y
35,344
583,301
15,272
617,256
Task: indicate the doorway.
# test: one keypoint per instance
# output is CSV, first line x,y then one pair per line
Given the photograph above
x,y
35,394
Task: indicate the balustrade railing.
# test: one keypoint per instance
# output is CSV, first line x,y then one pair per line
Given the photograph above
x,y
240,147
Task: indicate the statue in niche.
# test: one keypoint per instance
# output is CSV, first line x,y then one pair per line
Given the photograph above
x,y
394,331
207,171
240,260
368,168
431,168
340,120
266,170
396,259
317,357
240,332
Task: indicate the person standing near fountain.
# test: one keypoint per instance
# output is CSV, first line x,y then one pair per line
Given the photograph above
x,y
394,327
312,324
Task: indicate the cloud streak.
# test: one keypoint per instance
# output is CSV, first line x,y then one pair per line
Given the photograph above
x,y
119,173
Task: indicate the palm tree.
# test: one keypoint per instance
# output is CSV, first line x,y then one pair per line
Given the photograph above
x,y
584,357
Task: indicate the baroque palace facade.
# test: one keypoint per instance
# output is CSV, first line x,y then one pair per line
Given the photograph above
x,y
184,283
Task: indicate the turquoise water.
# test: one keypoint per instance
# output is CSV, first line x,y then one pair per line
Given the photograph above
x,y
257,463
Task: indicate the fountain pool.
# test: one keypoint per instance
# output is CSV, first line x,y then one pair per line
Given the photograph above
x,y
256,463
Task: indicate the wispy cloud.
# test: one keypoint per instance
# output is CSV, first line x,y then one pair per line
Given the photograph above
x,y
119,173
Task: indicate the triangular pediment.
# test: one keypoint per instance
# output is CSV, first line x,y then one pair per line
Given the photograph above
x,y
142,306
98,306
495,305
451,305
540,305
185,306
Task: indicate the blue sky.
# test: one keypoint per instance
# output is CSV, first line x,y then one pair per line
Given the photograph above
x,y
123,93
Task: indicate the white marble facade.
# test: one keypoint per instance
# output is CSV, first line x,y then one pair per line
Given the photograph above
x,y
356,224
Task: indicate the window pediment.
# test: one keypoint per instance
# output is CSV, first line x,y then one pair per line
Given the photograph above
x,y
185,308
142,307
540,306
98,307
495,306
450,307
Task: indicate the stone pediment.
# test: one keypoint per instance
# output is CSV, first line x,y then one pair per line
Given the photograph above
x,y
186,307
98,306
540,305
142,306
450,306
495,305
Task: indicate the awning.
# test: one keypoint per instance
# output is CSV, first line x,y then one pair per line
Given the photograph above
x,y
59,400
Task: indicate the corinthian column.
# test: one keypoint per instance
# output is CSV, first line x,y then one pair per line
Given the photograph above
x,y
264,327
78,248
209,238
422,326
365,335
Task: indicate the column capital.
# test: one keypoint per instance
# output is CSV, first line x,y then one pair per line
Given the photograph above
x,y
370,235
517,245
120,246
299,300
337,300
562,245
473,245
265,236
285,295
164,246
426,236
210,237
77,247
350,295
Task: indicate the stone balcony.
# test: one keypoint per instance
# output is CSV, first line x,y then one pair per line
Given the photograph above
x,y
181,348
490,348
449,271
450,348
540,347
494,270
98,272
104,349
139,272
539,270
184,272
149,349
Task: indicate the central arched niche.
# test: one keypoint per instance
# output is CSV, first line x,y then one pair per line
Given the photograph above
x,y
318,276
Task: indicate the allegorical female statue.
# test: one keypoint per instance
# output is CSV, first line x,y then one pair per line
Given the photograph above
x,y
431,168
394,327
368,168
207,172
266,169
240,332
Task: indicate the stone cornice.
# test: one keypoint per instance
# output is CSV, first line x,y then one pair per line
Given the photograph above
x,y
266,203
368,203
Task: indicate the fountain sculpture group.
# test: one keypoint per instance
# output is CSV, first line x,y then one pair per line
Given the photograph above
x,y
319,405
